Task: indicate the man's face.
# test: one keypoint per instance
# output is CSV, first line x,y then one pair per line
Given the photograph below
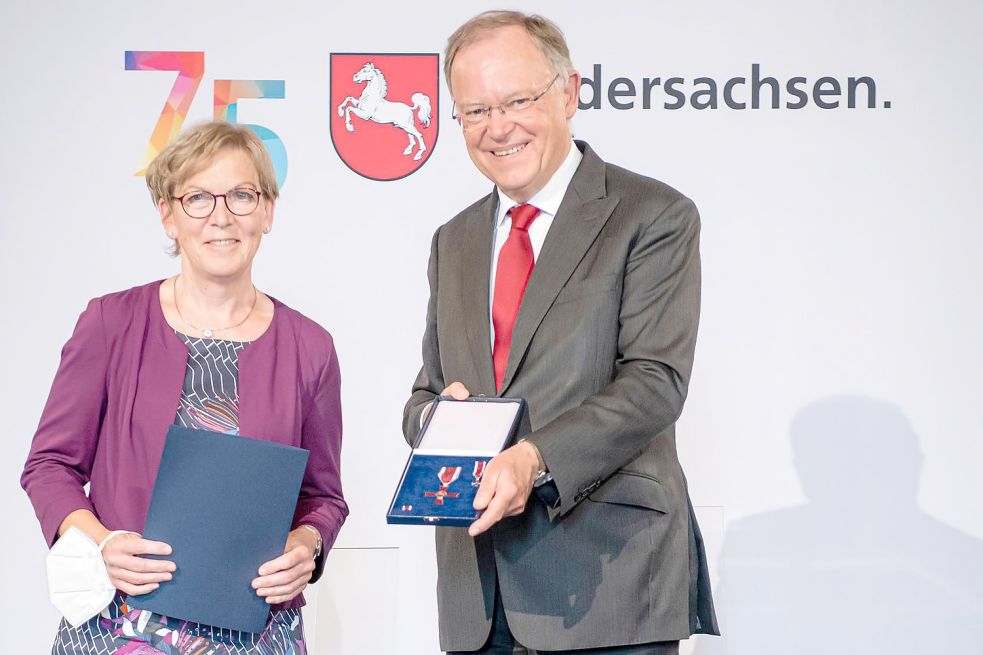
x,y
518,151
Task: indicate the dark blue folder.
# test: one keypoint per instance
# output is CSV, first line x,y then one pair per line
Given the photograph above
x,y
224,504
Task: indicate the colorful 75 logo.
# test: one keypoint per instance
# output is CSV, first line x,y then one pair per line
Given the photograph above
x,y
190,67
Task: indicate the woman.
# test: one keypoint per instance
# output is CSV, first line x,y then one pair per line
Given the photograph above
x,y
175,351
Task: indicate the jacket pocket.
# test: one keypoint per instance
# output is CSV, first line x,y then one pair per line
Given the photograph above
x,y
632,489
579,289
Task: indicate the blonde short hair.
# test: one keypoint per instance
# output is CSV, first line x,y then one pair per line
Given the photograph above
x,y
547,37
194,149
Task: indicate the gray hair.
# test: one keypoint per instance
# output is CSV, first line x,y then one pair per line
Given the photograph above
x,y
547,37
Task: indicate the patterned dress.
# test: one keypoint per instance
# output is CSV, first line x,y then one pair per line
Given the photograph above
x,y
209,401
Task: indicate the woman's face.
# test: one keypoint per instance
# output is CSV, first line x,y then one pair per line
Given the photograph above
x,y
221,245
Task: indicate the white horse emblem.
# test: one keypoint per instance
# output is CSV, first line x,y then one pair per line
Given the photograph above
x,y
373,106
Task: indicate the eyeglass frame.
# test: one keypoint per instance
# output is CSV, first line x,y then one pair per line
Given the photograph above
x,y
503,108
215,197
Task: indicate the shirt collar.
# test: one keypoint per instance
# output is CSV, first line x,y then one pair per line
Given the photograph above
x,y
550,196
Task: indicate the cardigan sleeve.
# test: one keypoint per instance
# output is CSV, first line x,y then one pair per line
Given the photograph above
x,y
321,502
60,460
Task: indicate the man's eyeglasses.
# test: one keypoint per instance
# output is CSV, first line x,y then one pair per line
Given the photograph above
x,y
475,116
201,204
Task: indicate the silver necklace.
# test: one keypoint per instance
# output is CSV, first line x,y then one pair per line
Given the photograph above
x,y
208,332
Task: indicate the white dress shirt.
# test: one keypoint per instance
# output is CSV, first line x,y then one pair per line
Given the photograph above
x,y
548,201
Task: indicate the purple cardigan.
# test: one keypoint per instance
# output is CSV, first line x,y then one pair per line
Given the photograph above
x,y
117,390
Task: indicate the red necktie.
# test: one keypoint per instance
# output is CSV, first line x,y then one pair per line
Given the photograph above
x,y
515,262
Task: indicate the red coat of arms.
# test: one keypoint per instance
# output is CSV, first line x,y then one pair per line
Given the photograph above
x,y
384,124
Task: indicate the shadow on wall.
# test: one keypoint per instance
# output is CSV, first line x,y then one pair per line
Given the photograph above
x,y
859,568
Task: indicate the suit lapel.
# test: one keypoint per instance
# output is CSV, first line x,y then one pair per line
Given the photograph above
x,y
474,263
583,212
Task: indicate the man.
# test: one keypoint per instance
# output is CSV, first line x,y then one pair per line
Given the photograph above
x,y
575,285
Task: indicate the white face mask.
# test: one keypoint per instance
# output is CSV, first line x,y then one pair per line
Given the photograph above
x,y
78,583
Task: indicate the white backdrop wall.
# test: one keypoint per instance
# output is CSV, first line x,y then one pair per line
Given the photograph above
x,y
832,434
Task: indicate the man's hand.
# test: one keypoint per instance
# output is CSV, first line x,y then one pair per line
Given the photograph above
x,y
455,390
506,485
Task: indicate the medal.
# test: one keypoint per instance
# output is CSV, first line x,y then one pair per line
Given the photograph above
x,y
479,469
446,475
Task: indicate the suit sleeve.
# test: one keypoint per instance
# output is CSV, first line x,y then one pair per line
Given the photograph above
x,y
64,446
430,380
658,320
321,503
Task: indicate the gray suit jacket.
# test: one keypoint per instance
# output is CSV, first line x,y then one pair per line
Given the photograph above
x,y
602,350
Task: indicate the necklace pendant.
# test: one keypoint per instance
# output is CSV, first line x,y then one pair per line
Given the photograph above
x,y
208,333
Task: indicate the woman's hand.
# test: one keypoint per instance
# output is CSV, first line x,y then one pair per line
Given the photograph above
x,y
283,578
131,573
128,572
